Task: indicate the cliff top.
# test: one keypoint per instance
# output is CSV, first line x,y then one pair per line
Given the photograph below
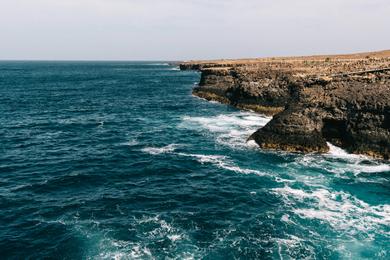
x,y
353,56
318,65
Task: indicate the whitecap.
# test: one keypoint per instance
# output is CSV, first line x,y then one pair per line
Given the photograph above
x,y
372,168
337,152
341,210
252,144
222,162
228,129
339,162
160,150
354,162
132,142
174,237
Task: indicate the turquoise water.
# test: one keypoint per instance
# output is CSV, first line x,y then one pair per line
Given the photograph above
x,y
117,160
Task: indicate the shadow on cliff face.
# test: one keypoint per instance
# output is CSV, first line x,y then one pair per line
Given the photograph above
x,y
335,132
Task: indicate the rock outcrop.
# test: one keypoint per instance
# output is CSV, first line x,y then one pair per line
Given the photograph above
x,y
344,100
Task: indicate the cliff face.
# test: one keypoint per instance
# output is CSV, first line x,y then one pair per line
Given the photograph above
x,y
214,84
258,89
344,100
351,112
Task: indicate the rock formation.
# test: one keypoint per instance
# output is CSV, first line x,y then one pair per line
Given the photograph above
x,y
341,99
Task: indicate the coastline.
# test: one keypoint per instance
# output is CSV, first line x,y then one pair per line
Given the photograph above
x,y
340,99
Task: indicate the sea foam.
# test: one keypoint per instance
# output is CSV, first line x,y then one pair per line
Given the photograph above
x,y
228,129
339,209
160,150
222,162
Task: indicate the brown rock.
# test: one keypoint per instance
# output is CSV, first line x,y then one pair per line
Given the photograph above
x,y
343,99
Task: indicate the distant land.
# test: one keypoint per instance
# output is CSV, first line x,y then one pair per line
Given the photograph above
x,y
314,100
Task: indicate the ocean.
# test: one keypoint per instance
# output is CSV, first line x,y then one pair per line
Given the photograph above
x,y
117,160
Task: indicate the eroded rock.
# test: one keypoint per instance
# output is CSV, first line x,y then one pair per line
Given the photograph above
x,y
344,100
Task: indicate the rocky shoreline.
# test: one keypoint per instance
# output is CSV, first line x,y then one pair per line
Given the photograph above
x,y
341,99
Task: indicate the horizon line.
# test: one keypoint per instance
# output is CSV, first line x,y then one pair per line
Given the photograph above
x,y
85,60
195,59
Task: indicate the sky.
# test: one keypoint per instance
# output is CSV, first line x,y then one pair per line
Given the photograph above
x,y
189,29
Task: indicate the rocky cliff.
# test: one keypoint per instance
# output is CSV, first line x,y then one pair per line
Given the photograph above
x,y
342,99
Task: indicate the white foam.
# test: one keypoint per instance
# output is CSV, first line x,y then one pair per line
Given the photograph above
x,y
132,142
292,244
339,162
175,237
160,150
286,218
161,229
228,129
354,162
252,144
373,168
341,210
338,152
222,162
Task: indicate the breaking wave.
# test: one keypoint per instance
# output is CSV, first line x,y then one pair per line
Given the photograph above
x,y
228,129
339,209
223,162
160,150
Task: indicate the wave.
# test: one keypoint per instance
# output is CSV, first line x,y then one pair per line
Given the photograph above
x,y
220,161
335,151
357,163
341,210
231,130
160,150
252,144
340,162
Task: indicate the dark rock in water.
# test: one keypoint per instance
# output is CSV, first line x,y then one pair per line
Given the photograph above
x,y
344,100
291,131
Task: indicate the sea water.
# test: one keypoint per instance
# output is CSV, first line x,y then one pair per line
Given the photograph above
x,y
117,160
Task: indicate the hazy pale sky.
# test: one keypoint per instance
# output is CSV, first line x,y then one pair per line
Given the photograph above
x,y
189,29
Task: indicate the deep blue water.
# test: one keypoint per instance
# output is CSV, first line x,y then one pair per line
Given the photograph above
x,y
117,160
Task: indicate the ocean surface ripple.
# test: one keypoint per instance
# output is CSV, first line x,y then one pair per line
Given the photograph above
x,y
117,160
